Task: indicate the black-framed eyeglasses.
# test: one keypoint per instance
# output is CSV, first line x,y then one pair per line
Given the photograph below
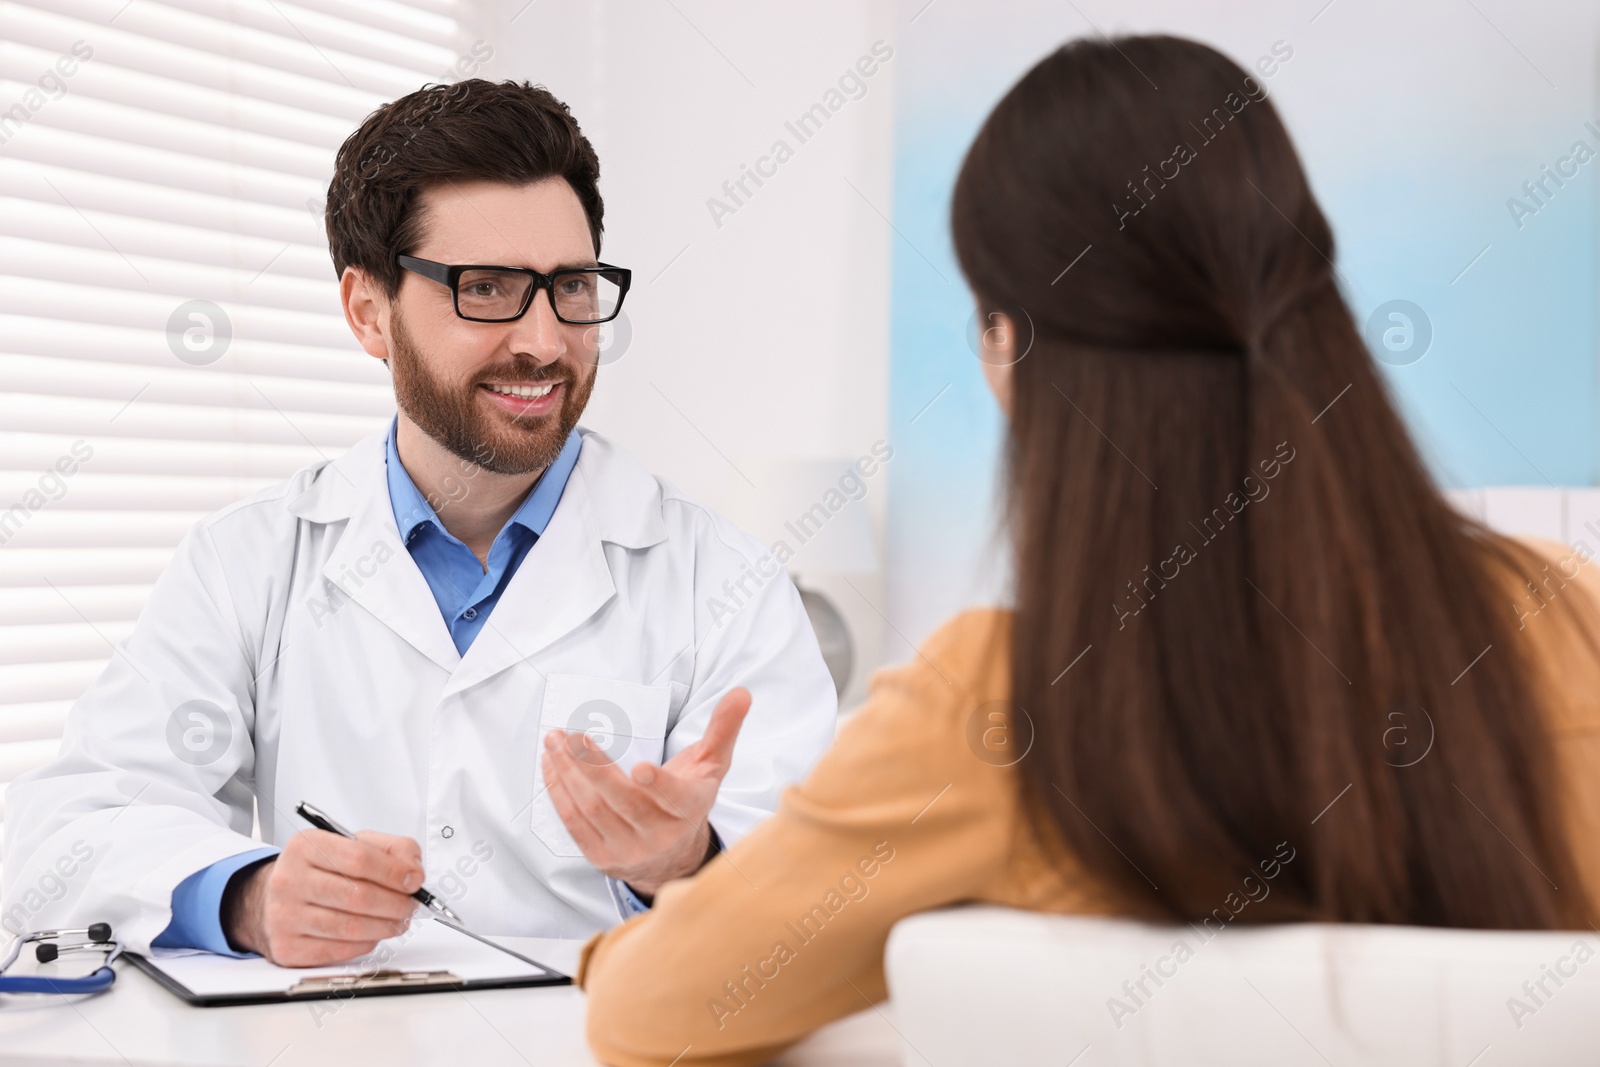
x,y
579,296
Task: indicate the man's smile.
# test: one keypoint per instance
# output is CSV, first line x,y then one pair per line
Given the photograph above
x,y
526,391
523,399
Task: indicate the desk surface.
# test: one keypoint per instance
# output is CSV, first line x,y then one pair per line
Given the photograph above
x,y
139,1023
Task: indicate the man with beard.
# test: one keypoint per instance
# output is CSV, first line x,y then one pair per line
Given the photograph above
x,y
485,636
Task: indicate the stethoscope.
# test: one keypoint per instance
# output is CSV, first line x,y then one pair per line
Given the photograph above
x,y
97,939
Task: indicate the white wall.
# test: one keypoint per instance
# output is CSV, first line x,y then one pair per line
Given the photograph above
x,y
767,336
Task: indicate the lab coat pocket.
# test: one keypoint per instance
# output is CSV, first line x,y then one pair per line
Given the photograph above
x,y
627,720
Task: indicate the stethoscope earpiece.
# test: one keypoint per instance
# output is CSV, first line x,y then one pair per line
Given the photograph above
x,y
99,936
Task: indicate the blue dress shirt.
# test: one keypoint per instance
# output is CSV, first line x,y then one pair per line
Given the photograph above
x,y
466,592
197,905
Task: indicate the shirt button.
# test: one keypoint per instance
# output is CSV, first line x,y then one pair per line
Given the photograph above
x,y
447,832
470,613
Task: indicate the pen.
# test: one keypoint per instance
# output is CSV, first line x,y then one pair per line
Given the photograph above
x,y
322,822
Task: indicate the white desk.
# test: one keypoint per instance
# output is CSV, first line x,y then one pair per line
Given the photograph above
x,y
139,1023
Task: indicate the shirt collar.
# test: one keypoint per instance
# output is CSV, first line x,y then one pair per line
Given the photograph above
x,y
411,508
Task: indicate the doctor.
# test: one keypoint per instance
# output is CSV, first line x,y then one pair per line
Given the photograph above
x,y
483,634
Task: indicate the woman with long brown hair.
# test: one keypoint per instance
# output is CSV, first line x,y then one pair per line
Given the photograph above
x,y
1235,583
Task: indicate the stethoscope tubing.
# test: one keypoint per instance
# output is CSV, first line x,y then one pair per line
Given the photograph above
x,y
32,983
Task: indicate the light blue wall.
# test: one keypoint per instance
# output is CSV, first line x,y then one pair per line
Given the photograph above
x,y
1416,125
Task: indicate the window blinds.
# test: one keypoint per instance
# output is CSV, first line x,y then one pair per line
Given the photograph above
x,y
170,333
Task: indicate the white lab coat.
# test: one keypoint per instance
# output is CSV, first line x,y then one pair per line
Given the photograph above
x,y
293,651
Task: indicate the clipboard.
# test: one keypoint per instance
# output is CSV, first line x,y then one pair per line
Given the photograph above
x,y
432,956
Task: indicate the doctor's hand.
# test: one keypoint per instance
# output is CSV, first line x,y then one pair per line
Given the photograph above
x,y
324,898
650,826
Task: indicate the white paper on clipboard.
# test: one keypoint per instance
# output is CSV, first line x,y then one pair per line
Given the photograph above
x,y
429,945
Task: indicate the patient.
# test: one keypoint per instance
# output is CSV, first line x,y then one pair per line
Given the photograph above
x,y
1255,669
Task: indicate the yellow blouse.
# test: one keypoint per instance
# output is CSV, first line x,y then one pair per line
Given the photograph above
x,y
912,810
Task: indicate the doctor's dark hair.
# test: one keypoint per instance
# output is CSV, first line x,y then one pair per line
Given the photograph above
x,y
473,130
1213,502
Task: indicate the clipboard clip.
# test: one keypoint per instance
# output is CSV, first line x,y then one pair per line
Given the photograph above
x,y
384,979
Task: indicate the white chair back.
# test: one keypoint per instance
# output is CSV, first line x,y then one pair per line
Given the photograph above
x,y
985,986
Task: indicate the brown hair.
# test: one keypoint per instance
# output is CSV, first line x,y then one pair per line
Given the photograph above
x,y
469,131
1213,500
